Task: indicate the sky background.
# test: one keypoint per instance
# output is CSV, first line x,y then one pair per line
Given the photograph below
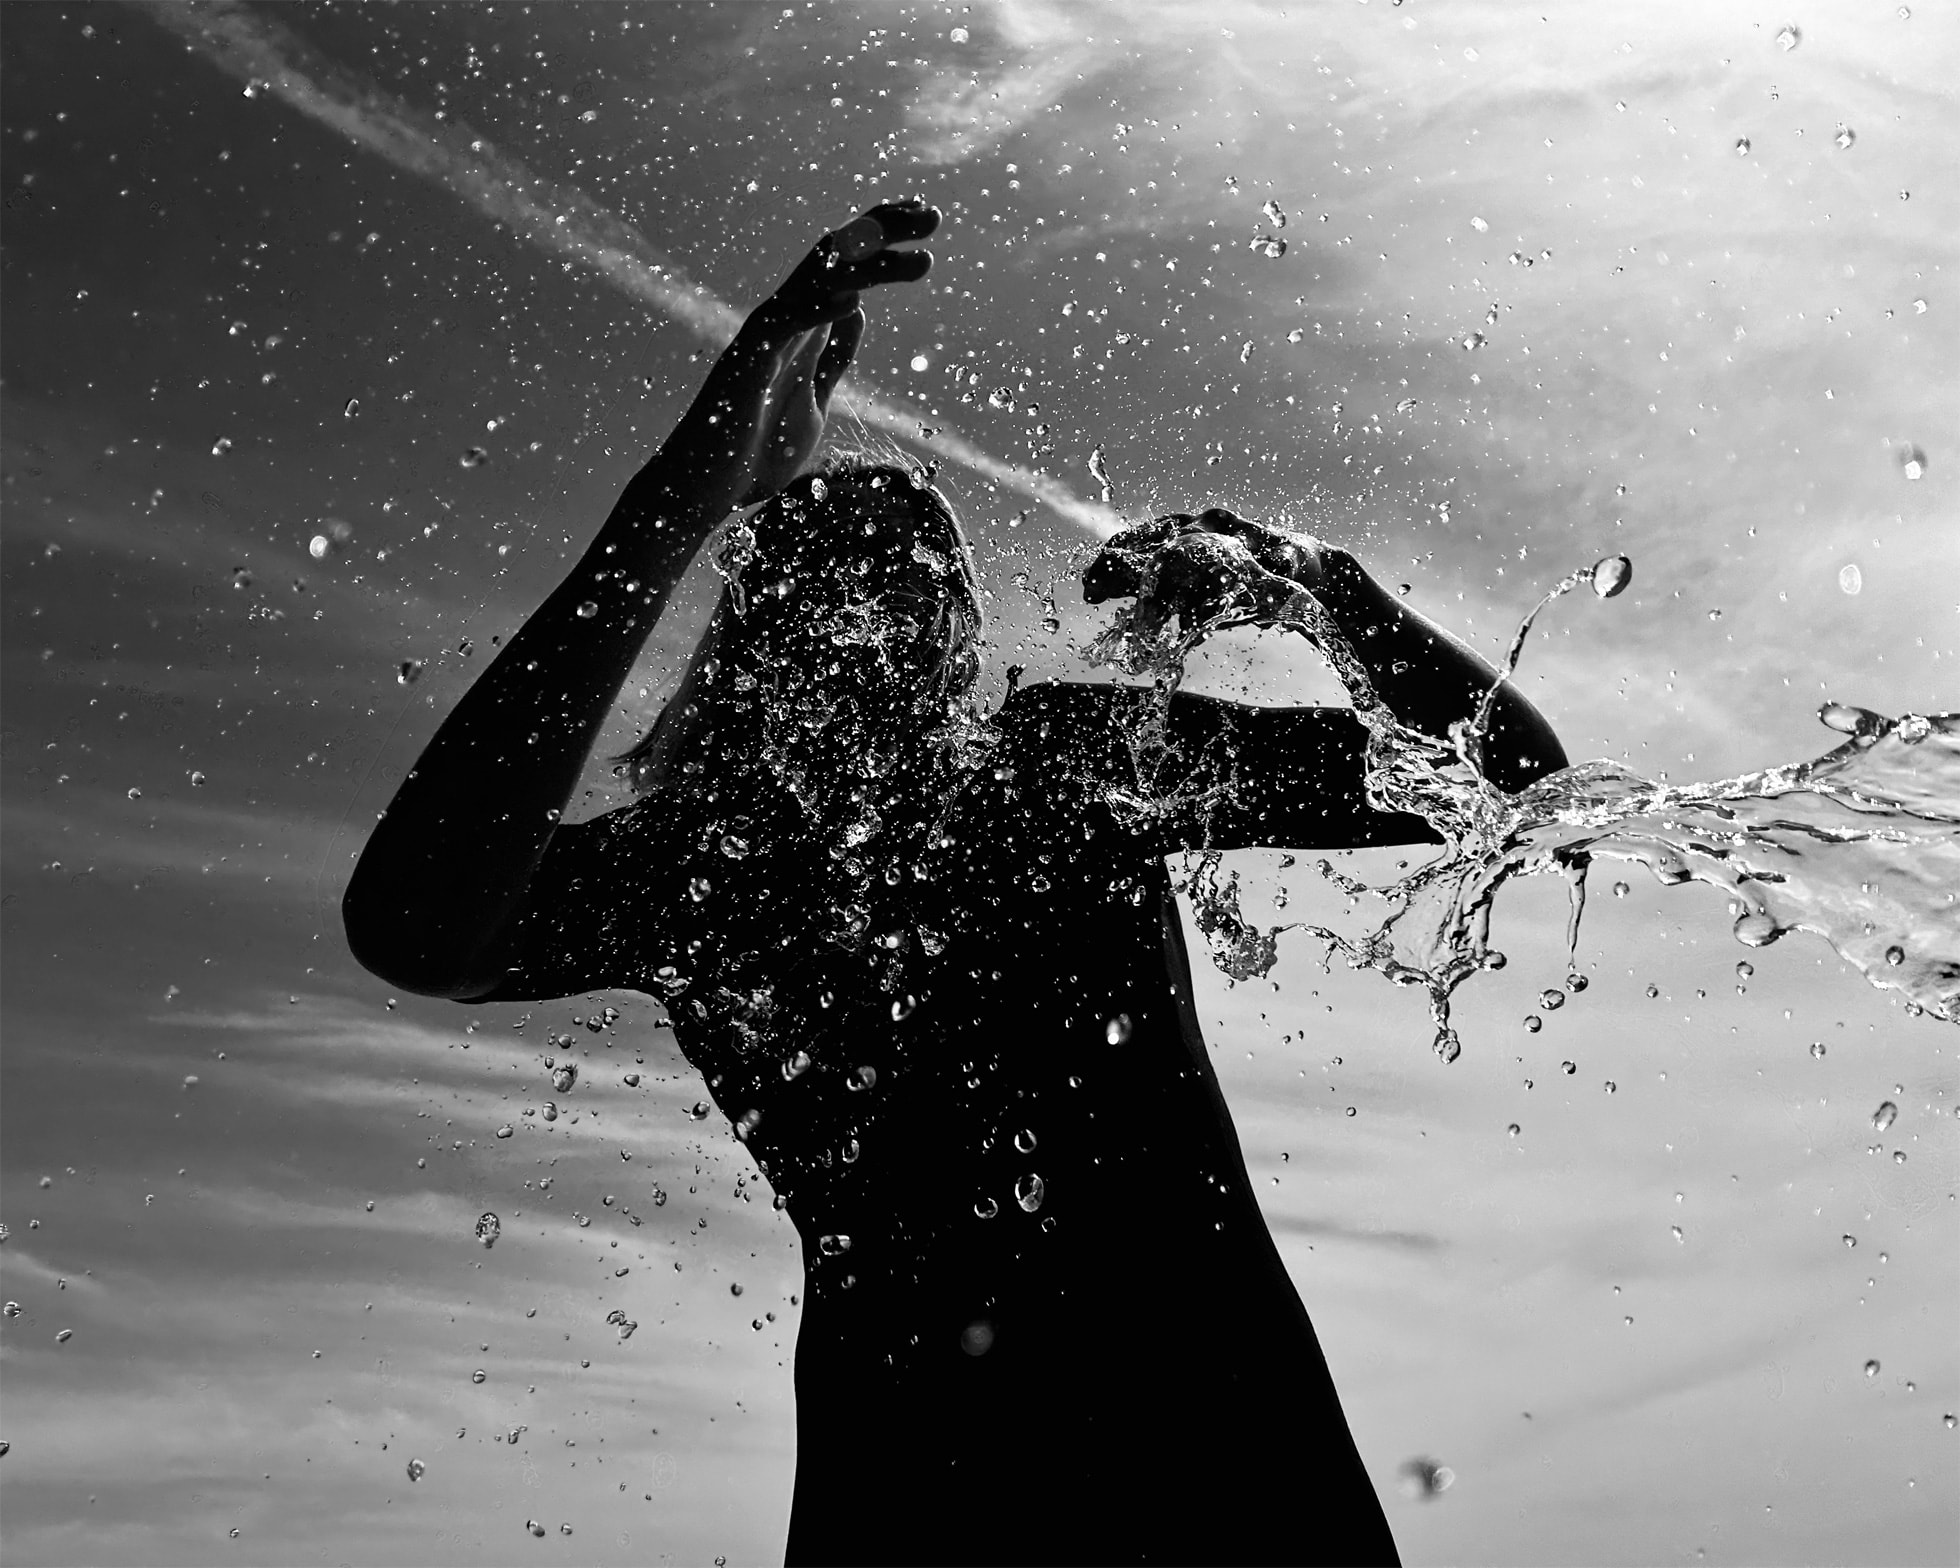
x,y
429,283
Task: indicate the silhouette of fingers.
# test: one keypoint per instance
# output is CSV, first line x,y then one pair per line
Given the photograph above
x,y
901,221
837,355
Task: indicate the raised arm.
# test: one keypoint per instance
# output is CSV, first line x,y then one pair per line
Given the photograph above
x,y
1218,565
446,873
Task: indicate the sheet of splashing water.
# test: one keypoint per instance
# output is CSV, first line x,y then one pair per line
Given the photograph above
x,y
1860,846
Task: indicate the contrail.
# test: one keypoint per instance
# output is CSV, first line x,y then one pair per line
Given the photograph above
x,y
270,59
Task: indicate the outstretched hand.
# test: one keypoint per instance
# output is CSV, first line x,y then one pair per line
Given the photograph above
x,y
799,342
1215,567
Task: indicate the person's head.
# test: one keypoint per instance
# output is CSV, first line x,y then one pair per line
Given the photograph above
x,y
851,592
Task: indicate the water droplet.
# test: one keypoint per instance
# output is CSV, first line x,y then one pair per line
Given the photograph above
x,y
833,1246
352,407
1568,1068
1756,929
986,1208
1029,1191
1296,334
566,1529
863,1078
1271,246
221,446
1117,1030
64,1336
475,457
977,1338
535,1528
921,363
1612,1087
1513,1130
1742,146
1886,1114
416,1469
1898,1156
564,1076
506,1130
1424,1479
479,1375
698,1111
958,35
408,672
1446,1045
1611,575
1845,136
1789,37
1912,462
746,1124
1274,215
902,1008
488,1228
1871,1368
1895,956
1551,1000
1620,890
588,609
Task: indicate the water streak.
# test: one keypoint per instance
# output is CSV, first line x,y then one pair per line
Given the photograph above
x,y
1860,846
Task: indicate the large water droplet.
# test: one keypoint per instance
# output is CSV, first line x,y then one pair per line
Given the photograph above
x,y
1912,462
1756,929
1611,575
1871,1368
1425,1479
833,1246
1742,146
475,457
1029,1191
1850,578
1886,1114
564,1077
1117,1030
416,1469
488,1228
1274,215
1845,136
1789,37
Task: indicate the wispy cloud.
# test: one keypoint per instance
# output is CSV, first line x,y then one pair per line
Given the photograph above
x,y
961,114
556,218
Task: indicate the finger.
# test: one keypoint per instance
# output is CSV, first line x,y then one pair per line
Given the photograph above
x,y
885,266
837,356
902,221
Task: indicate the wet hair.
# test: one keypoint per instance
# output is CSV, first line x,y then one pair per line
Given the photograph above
x,y
815,532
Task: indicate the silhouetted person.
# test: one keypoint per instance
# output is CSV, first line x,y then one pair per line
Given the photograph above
x,y
930,965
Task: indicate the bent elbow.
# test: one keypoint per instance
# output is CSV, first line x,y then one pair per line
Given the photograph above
x,y
412,952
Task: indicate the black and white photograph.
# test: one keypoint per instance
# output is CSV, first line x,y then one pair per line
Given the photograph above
x,y
1020,782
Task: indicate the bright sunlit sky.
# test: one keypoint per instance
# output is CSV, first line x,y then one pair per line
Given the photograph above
x,y
1669,280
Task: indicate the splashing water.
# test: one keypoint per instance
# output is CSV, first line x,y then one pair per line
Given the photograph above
x,y
1860,846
